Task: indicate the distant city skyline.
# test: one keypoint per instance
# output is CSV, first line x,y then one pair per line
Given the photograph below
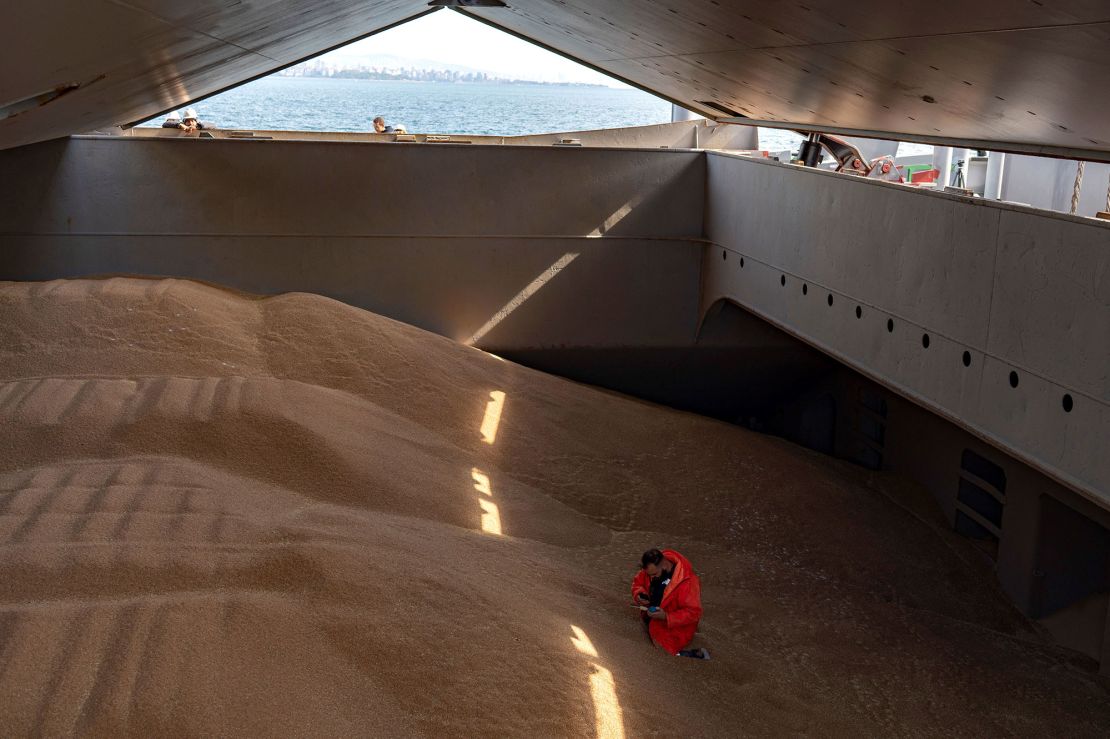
x,y
448,40
396,68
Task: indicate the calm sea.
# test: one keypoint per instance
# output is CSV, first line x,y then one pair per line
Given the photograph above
x,y
323,104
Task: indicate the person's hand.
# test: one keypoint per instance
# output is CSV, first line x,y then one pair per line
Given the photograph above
x,y
641,599
658,614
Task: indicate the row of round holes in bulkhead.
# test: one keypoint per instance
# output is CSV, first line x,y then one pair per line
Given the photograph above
x,y
1067,402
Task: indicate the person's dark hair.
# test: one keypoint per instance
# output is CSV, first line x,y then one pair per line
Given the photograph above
x,y
651,557
379,119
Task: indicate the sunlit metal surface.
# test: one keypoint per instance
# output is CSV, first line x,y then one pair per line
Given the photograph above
x,y
132,59
1022,75
1025,73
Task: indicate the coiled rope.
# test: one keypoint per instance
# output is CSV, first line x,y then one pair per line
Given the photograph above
x,y
1078,186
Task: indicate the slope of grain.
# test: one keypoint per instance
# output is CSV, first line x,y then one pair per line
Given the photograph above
x,y
224,514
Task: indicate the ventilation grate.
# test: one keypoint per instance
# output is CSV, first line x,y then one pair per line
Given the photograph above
x,y
980,500
870,428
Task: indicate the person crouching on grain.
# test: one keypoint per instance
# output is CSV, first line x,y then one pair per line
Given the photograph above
x,y
668,594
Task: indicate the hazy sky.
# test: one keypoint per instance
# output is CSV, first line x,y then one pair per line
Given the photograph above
x,y
447,37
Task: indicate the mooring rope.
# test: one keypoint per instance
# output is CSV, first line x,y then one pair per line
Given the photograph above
x,y
1077,187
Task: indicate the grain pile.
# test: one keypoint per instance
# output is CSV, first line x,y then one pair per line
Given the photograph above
x,y
228,515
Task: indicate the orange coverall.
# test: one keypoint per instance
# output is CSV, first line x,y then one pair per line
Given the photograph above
x,y
681,602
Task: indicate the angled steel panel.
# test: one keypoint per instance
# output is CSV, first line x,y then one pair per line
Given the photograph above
x,y
1012,74
125,61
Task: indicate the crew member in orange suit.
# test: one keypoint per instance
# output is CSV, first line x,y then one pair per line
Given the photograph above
x,y
668,594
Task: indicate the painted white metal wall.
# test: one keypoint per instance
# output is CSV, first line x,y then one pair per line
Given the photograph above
x,y
441,236
1020,291
444,237
1048,183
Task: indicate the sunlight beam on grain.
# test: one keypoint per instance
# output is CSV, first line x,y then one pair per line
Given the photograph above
x,y
609,722
607,711
491,516
582,642
492,419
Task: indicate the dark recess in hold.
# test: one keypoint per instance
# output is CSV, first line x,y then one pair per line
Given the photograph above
x,y
967,359
981,495
980,501
805,289
1068,404
859,312
890,325
1013,379
1073,552
724,255
925,340
830,300
720,108
969,527
928,98
782,280
984,469
872,427
741,262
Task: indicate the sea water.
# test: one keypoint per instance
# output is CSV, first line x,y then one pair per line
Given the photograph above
x,y
480,108
328,104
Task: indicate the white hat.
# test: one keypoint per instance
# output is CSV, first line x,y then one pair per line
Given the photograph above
x,y
190,113
173,116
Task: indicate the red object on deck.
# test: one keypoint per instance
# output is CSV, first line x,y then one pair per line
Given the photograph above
x,y
925,175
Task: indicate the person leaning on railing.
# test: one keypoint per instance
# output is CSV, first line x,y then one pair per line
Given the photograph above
x,y
187,122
